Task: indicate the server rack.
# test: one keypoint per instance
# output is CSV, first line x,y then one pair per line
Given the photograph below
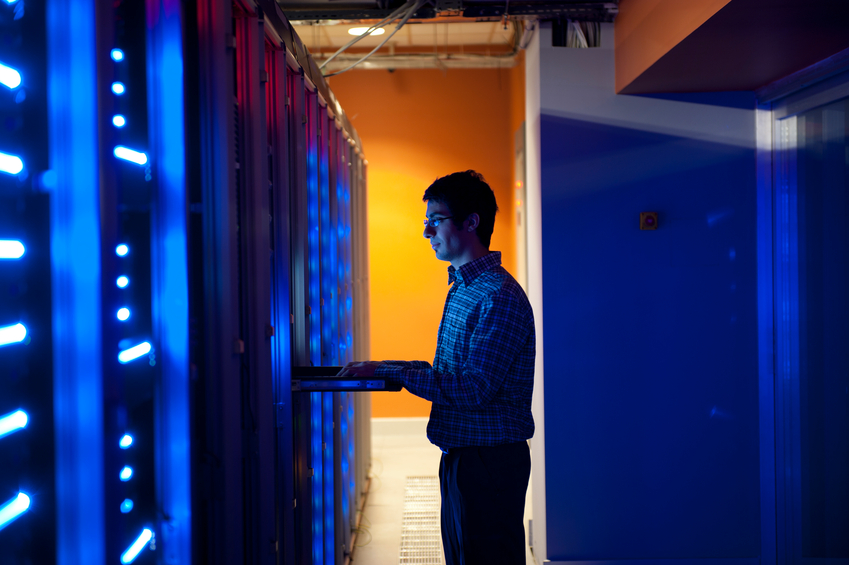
x,y
185,202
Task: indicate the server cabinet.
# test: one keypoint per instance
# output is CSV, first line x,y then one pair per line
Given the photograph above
x,y
174,239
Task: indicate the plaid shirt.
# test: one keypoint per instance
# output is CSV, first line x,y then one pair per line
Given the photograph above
x,y
482,376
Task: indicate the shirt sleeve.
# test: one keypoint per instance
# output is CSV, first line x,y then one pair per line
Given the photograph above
x,y
496,341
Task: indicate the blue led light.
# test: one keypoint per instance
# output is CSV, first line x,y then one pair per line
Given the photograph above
x,y
126,473
11,164
123,314
122,281
11,249
13,508
133,551
119,121
9,77
125,441
12,334
122,250
118,88
13,422
117,55
134,352
130,155
126,506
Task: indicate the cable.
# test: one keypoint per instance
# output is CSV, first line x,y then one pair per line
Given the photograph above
x,y
407,16
385,21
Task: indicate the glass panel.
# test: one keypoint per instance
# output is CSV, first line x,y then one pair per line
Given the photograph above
x,y
822,175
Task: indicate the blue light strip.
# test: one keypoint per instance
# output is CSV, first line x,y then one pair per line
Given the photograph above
x,y
170,292
329,483
76,281
12,334
314,324
10,423
133,551
11,249
13,509
317,479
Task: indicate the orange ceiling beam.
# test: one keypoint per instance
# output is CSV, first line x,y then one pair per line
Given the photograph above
x,y
646,30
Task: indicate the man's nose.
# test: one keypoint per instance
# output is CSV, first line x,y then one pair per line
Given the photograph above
x,y
429,231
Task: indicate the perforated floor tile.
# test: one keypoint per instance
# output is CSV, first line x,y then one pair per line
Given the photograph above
x,y
421,541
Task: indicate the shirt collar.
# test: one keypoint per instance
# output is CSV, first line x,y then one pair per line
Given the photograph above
x,y
471,270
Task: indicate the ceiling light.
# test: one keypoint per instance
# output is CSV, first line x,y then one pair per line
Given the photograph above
x,y
362,30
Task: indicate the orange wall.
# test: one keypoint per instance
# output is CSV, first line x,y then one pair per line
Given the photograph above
x,y
415,126
645,30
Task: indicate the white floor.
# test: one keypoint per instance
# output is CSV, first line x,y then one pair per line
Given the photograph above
x,y
399,449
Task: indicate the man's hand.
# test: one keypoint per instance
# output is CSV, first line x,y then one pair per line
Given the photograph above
x,y
359,369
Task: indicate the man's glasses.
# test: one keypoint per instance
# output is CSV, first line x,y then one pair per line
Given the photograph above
x,y
434,222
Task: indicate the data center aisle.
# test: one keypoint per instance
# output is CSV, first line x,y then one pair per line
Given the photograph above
x,y
400,449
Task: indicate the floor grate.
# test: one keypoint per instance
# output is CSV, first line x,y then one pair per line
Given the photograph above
x,y
421,541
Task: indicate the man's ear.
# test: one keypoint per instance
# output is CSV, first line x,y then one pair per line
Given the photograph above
x,y
474,221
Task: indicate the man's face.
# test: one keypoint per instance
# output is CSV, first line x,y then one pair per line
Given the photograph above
x,y
449,242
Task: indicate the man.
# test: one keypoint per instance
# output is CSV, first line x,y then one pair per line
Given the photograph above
x,y
480,383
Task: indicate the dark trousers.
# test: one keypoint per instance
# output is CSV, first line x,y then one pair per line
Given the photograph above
x,y
483,503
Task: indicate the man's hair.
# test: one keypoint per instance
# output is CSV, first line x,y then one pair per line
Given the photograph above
x,y
466,193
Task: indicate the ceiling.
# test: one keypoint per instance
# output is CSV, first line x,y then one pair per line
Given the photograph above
x,y
322,39
357,10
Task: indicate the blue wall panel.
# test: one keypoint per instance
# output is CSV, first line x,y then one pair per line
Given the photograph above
x,y
651,376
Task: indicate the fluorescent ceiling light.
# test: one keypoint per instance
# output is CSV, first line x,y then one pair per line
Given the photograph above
x,y
130,155
133,551
134,352
13,422
362,30
9,77
11,164
13,508
11,249
12,334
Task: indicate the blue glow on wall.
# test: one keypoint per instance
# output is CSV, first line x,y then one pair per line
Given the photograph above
x,y
12,334
131,155
122,250
117,55
13,422
11,249
118,88
119,121
126,473
123,314
134,352
11,164
126,441
126,506
133,551
9,77
13,509
122,281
